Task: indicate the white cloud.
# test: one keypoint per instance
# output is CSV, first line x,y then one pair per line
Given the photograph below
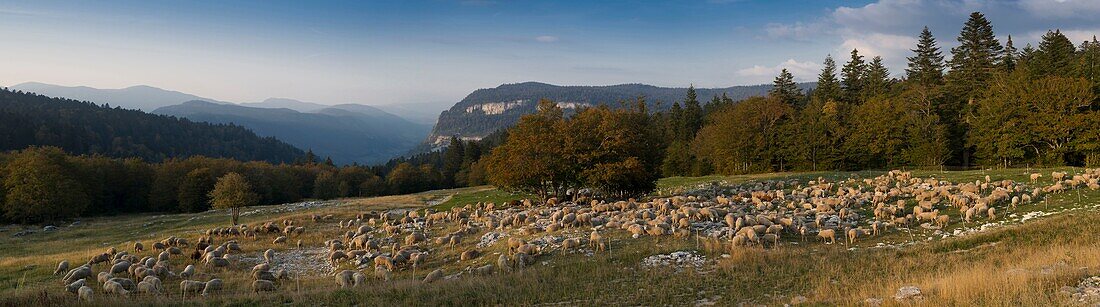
x,y
800,70
1062,8
797,31
546,39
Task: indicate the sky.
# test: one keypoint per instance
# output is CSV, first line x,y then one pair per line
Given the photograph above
x,y
437,51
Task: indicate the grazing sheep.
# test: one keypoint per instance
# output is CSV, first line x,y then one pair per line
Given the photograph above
x,y
188,271
383,261
191,287
942,220
433,276
1035,177
827,235
854,234
345,279
147,288
120,267
77,273
269,255
101,258
103,277
76,285
336,256
111,287
263,286
85,293
359,279
218,262
504,262
279,240
469,255
61,267
138,247
211,287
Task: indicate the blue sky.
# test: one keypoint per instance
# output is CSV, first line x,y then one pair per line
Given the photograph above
x,y
385,52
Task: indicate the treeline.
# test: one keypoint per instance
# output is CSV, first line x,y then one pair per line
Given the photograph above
x,y
989,105
79,127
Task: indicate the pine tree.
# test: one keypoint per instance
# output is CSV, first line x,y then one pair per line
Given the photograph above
x,y
785,89
452,160
1009,56
973,61
877,78
926,67
1054,57
693,116
828,87
852,76
1088,63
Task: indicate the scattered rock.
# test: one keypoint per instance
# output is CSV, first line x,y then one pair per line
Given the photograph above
x,y
1087,291
676,259
908,293
49,228
489,238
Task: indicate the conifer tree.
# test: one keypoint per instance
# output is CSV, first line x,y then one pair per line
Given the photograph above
x,y
785,89
926,66
973,61
852,76
828,87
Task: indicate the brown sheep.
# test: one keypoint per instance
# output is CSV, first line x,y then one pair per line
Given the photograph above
x,y
469,255
827,235
138,247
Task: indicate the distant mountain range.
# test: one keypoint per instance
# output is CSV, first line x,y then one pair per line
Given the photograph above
x,y
487,110
347,132
78,127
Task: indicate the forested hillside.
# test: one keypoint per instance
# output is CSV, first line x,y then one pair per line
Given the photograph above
x,y
346,133
77,127
487,110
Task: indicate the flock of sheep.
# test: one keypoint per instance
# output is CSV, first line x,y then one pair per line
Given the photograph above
x,y
760,214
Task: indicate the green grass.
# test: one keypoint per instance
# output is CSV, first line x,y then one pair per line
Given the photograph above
x,y
482,194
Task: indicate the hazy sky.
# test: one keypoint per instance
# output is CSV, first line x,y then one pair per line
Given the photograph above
x,y
382,52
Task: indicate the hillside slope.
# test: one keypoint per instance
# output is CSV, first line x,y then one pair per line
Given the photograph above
x,y
488,110
345,135
138,97
78,127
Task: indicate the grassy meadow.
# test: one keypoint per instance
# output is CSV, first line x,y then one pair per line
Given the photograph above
x,y
1011,265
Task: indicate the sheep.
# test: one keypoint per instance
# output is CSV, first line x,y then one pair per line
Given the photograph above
x,y
263,286
1057,176
111,287
570,243
269,255
336,256
359,279
942,220
188,271
433,276
263,275
212,286
85,293
1035,177
103,277
77,273
191,287
147,287
827,235
61,267
345,279
218,262
383,261
504,262
469,255
279,240
120,267
76,285
101,258
854,234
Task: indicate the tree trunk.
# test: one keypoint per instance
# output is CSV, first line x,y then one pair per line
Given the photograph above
x,y
236,215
